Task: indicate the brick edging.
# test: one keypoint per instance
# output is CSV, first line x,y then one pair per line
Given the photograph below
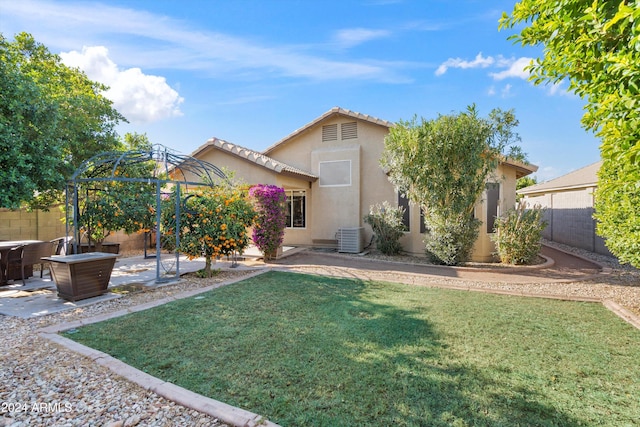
x,y
224,412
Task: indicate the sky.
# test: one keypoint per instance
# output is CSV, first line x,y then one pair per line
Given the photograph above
x,y
253,71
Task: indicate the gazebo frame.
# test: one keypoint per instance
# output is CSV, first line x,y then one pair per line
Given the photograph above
x,y
168,164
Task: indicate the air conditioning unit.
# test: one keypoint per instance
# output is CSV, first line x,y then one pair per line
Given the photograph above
x,y
351,240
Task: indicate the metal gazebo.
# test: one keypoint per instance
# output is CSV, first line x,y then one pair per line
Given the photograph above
x,y
167,169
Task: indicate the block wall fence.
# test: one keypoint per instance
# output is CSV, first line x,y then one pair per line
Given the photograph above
x,y
49,225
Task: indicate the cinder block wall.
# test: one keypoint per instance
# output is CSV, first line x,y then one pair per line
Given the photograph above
x,y
49,225
569,215
34,225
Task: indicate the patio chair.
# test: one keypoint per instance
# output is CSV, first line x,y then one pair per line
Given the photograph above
x,y
63,245
30,254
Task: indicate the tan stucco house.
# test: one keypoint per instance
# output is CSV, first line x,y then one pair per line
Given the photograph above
x,y
331,173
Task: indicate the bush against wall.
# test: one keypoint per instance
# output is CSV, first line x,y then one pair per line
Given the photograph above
x,y
387,226
271,215
518,233
450,238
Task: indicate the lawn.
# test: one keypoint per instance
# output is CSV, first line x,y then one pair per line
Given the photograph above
x,y
306,350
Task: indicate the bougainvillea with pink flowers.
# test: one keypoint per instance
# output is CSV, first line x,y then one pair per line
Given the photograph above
x,y
271,216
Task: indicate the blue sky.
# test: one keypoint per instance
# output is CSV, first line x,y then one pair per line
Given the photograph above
x,y
252,72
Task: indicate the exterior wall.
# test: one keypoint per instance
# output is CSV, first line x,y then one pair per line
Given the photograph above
x,y
250,173
49,225
331,208
35,225
484,248
569,215
245,171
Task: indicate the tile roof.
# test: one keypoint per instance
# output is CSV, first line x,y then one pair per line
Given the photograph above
x,y
522,169
334,111
255,157
581,178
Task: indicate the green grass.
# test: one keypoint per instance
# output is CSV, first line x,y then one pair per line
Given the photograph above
x,y
305,350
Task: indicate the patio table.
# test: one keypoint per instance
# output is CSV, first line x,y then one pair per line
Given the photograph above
x,y
5,248
82,276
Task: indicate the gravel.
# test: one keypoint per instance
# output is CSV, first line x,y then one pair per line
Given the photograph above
x,y
42,384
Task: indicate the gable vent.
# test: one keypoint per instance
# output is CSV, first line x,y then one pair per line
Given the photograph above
x,y
330,133
349,130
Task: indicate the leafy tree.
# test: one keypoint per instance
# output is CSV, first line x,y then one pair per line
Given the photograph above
x,y
525,181
119,199
271,218
52,118
442,165
213,222
594,46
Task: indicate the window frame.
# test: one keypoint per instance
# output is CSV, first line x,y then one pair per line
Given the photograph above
x,y
290,202
492,190
320,184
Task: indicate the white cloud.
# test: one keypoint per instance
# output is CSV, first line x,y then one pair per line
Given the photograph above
x,y
141,98
506,91
147,40
355,36
516,69
478,62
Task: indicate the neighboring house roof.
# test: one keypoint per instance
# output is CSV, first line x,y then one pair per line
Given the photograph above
x,y
582,178
255,157
333,112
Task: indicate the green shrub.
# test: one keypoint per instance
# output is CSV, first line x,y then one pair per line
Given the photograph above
x,y
386,222
518,233
450,240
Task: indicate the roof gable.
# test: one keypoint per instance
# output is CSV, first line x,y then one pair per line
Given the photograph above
x,y
581,178
335,111
255,157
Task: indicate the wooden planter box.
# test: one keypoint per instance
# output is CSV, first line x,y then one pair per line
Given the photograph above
x,y
82,276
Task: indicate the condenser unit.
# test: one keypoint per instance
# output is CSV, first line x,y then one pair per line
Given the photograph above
x,y
351,239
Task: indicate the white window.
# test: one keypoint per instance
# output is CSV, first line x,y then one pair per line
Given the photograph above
x,y
296,208
335,173
493,204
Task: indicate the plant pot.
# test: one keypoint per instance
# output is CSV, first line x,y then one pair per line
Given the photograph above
x,y
82,276
273,255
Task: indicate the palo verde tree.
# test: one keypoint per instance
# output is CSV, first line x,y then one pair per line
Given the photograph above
x,y
52,118
594,45
442,165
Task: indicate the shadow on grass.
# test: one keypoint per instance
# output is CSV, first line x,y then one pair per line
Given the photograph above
x,y
309,350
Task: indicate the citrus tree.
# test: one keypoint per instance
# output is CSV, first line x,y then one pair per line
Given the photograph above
x,y
213,222
124,201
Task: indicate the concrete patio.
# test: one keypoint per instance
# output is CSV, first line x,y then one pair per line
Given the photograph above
x,y
39,296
